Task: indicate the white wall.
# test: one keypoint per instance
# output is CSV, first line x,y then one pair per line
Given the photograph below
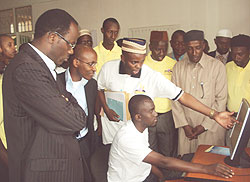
x,y
207,15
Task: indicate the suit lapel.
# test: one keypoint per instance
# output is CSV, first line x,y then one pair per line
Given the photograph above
x,y
32,53
88,95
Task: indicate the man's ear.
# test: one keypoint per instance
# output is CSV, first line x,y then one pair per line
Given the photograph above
x,y
52,37
203,45
102,30
215,41
122,58
75,62
171,42
138,117
150,46
1,50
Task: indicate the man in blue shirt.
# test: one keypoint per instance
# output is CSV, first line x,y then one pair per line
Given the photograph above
x,y
79,82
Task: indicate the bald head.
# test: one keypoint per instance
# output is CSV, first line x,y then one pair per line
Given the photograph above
x,y
82,63
81,50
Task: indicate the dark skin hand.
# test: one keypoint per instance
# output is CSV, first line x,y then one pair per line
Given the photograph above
x,y
193,133
198,130
111,114
219,170
159,160
189,131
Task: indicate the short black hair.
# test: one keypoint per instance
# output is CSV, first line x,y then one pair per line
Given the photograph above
x,y
54,20
113,20
134,104
177,32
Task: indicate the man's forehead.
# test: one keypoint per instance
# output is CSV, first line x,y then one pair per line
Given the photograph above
x,y
5,39
194,43
158,43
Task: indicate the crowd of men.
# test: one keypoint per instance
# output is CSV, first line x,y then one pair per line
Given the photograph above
x,y
55,116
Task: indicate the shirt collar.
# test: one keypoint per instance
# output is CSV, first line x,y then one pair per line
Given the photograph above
x,y
150,57
202,61
122,71
73,84
50,64
224,55
114,49
180,58
247,67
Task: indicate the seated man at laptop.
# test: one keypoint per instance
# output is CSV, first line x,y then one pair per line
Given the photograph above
x,y
130,157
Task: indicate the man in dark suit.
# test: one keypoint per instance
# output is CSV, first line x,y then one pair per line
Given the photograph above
x,y
79,82
40,118
223,43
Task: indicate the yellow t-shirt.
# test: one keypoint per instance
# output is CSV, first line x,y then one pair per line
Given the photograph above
x,y
104,55
165,67
238,79
2,132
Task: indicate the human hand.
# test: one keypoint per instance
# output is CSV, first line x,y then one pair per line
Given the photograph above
x,y
189,132
199,129
225,119
219,170
112,116
99,128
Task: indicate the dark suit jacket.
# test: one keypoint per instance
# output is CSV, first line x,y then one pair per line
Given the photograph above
x,y
40,123
91,94
213,53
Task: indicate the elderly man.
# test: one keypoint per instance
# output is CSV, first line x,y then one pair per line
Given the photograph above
x,y
132,76
178,46
163,136
222,41
41,119
131,159
205,78
108,49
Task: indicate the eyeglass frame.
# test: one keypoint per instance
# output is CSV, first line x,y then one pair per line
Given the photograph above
x,y
62,37
92,64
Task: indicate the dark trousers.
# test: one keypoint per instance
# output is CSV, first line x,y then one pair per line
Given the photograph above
x,y
84,144
4,172
151,178
163,137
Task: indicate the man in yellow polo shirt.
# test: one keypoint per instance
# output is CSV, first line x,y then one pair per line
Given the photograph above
x,y
238,72
163,136
238,75
108,49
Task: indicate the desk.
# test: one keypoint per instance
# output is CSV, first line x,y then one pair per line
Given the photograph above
x,y
203,157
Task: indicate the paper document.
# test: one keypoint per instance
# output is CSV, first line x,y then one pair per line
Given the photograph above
x,y
118,101
219,150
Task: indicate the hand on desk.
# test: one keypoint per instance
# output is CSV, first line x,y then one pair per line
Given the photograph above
x,y
219,170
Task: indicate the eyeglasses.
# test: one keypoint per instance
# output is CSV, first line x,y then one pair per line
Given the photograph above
x,y
90,64
71,45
